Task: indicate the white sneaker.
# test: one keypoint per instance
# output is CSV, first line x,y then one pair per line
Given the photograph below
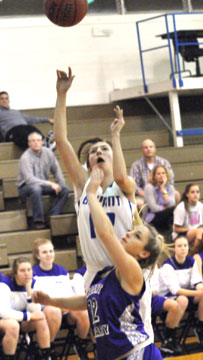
x,y
50,142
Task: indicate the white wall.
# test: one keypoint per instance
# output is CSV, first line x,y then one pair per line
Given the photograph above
x,y
102,51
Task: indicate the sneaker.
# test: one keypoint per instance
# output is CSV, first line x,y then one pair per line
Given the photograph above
x,y
170,346
40,225
50,142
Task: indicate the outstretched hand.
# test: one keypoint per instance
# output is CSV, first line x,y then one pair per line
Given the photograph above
x,y
118,122
64,80
96,178
41,298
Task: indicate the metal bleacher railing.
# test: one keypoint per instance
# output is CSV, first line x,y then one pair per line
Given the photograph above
x,y
185,43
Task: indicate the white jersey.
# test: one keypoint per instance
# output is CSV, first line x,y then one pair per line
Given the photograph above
x,y
191,219
120,211
145,304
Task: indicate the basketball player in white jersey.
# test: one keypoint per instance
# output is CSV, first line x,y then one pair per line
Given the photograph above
x,y
116,193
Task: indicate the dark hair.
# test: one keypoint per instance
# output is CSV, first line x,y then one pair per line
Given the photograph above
x,y
16,263
198,246
85,147
3,92
184,197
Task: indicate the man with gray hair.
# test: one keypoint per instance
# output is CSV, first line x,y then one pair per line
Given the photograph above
x,y
36,164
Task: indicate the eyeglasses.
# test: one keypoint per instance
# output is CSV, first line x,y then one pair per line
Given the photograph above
x,y
4,98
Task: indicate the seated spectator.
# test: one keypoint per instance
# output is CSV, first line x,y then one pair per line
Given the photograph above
x,y
171,311
188,215
16,126
197,253
19,312
55,281
9,329
35,166
179,276
159,195
141,169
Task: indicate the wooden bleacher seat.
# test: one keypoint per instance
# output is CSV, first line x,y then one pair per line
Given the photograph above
x,y
2,207
13,221
66,258
22,241
64,224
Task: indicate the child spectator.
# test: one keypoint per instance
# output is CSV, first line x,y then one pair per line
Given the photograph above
x,y
188,215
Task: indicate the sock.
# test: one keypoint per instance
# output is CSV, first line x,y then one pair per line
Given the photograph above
x,y
8,357
170,333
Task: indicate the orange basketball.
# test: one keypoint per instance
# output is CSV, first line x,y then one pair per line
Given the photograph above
x,y
65,12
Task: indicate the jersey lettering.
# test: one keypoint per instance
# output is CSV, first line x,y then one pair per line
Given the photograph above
x,y
92,230
92,304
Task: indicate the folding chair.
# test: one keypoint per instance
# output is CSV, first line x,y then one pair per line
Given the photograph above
x,y
71,343
27,347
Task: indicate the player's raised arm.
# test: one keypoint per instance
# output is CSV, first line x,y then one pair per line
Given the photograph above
x,y
75,170
126,183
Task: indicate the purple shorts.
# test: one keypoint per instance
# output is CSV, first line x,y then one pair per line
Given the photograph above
x,y
157,305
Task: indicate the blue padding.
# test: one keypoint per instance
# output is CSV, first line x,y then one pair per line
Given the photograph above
x,y
187,132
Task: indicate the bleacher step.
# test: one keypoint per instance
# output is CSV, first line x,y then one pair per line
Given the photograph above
x,y
64,225
22,241
66,258
9,151
13,221
2,205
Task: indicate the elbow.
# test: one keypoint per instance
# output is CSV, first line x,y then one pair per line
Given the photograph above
x,y
120,180
176,229
60,141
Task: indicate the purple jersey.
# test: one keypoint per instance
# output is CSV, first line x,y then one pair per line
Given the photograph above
x,y
114,315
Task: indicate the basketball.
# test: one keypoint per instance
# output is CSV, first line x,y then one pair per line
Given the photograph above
x,y
65,12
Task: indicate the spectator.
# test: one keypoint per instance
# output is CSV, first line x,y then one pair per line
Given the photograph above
x,y
10,330
140,169
188,215
197,253
159,195
16,126
55,281
36,164
18,310
171,312
179,276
